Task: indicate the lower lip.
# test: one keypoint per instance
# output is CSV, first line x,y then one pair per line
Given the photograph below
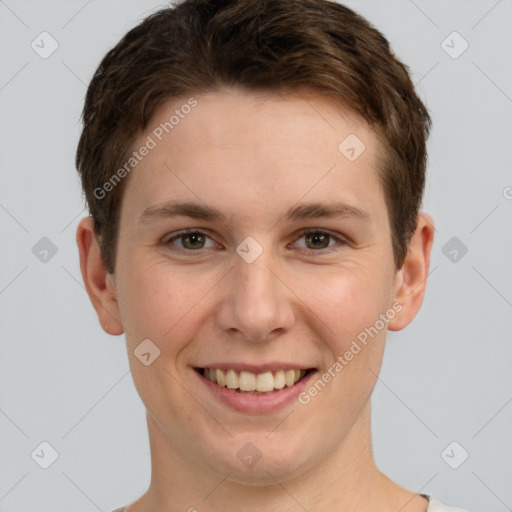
x,y
257,404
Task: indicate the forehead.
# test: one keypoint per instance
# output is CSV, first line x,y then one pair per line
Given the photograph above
x,y
234,149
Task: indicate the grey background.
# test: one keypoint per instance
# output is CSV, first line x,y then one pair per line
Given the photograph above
x,y
445,378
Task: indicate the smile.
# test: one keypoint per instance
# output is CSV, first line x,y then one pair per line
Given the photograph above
x,y
251,383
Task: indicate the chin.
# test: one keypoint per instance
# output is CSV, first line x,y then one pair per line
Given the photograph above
x,y
256,460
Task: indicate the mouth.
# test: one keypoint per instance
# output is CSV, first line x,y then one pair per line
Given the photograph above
x,y
248,383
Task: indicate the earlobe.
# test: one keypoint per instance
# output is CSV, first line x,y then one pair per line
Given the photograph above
x,y
98,282
411,279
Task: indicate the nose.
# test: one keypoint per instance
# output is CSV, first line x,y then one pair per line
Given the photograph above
x,y
256,304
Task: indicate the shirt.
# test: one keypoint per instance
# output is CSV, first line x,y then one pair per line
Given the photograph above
x,y
433,506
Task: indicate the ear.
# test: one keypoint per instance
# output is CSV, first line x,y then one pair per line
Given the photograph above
x,y
411,279
100,285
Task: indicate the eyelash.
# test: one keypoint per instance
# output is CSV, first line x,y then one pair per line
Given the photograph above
x,y
304,232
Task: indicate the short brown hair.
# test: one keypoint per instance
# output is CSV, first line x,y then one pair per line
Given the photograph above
x,y
266,45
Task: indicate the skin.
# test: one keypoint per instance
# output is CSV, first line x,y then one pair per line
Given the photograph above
x,y
253,156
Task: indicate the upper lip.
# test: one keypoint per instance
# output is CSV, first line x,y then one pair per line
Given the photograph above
x,y
256,368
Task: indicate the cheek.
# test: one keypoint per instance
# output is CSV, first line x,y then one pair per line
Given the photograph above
x,y
151,303
161,303
347,300
158,305
355,348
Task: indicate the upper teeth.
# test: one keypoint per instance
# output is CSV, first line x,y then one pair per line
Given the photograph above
x,y
247,381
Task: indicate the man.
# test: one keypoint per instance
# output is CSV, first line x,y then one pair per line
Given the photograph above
x,y
254,172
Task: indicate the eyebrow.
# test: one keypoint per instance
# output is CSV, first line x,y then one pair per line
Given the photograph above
x,y
199,211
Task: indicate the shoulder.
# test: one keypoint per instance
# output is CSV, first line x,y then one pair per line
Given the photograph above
x,y
435,505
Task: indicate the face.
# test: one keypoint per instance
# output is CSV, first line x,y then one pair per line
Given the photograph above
x,y
254,245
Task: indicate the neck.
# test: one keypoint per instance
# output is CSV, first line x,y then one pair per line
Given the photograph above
x,y
347,479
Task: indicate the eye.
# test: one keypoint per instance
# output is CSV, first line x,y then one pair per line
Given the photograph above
x,y
318,239
190,240
193,240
